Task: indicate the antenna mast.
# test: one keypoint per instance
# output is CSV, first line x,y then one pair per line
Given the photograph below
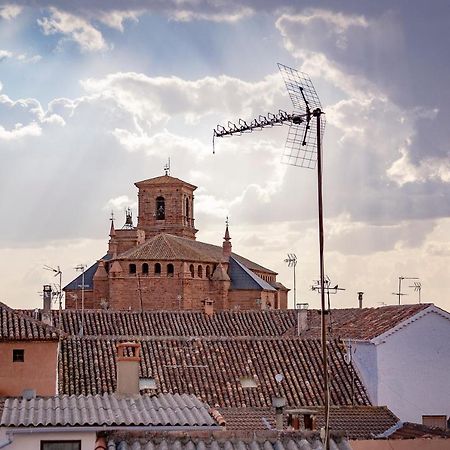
x,y
303,148
82,268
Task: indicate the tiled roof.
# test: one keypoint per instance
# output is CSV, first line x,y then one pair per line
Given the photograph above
x,y
408,430
98,410
168,247
164,179
243,278
361,324
354,323
176,323
16,326
210,368
356,422
226,441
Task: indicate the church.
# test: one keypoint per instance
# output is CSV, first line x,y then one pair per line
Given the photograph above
x,y
159,265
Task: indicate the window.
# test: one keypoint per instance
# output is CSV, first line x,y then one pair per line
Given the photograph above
x,y
18,355
170,270
200,271
192,270
187,210
208,271
158,269
132,268
160,208
60,445
145,269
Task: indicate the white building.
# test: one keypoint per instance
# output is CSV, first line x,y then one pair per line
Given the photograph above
x,y
406,365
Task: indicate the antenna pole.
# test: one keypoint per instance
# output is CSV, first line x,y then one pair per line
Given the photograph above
x,y
317,112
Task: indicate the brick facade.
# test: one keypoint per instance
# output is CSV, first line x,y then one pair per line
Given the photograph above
x,y
159,265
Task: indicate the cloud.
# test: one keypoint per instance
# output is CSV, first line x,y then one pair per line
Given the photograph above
x,y
20,57
10,11
75,28
20,131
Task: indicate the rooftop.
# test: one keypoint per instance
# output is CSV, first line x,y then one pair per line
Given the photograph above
x,y
107,409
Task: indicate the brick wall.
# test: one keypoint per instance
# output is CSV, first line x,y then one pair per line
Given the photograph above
x,y
73,299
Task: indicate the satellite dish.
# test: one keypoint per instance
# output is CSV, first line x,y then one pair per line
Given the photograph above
x,y
279,377
348,358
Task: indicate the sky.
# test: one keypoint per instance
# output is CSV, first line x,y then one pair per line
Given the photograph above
x,y
96,95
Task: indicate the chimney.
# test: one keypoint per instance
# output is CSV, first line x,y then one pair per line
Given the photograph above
x,y
209,306
128,368
360,299
47,305
302,321
301,419
278,403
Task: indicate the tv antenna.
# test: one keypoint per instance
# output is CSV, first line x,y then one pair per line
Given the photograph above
x,y
58,273
291,261
328,288
81,268
302,149
417,286
399,294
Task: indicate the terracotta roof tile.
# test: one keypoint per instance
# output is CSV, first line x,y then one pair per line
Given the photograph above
x,y
165,247
17,326
356,422
363,324
210,368
408,430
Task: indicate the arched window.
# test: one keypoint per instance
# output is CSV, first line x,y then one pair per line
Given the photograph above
x,y
187,210
160,208
200,271
208,271
191,268
170,270
132,268
145,269
158,269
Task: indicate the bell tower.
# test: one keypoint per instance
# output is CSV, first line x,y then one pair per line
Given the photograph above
x,y
166,205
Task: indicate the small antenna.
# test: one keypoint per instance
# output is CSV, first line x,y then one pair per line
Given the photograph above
x,y
167,167
81,268
399,293
58,273
291,261
417,286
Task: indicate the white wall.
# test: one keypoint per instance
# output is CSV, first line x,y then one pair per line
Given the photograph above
x,y
32,441
364,355
414,369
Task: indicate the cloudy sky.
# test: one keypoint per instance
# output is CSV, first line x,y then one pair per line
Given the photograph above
x,y
95,95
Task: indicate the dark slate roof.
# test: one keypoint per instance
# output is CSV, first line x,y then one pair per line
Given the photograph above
x,y
225,441
243,278
88,277
17,326
168,247
355,422
210,368
107,409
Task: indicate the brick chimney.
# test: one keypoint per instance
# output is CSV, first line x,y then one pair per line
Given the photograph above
x,y
209,306
128,368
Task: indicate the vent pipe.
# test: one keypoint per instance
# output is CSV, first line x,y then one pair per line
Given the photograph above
x,y
360,299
